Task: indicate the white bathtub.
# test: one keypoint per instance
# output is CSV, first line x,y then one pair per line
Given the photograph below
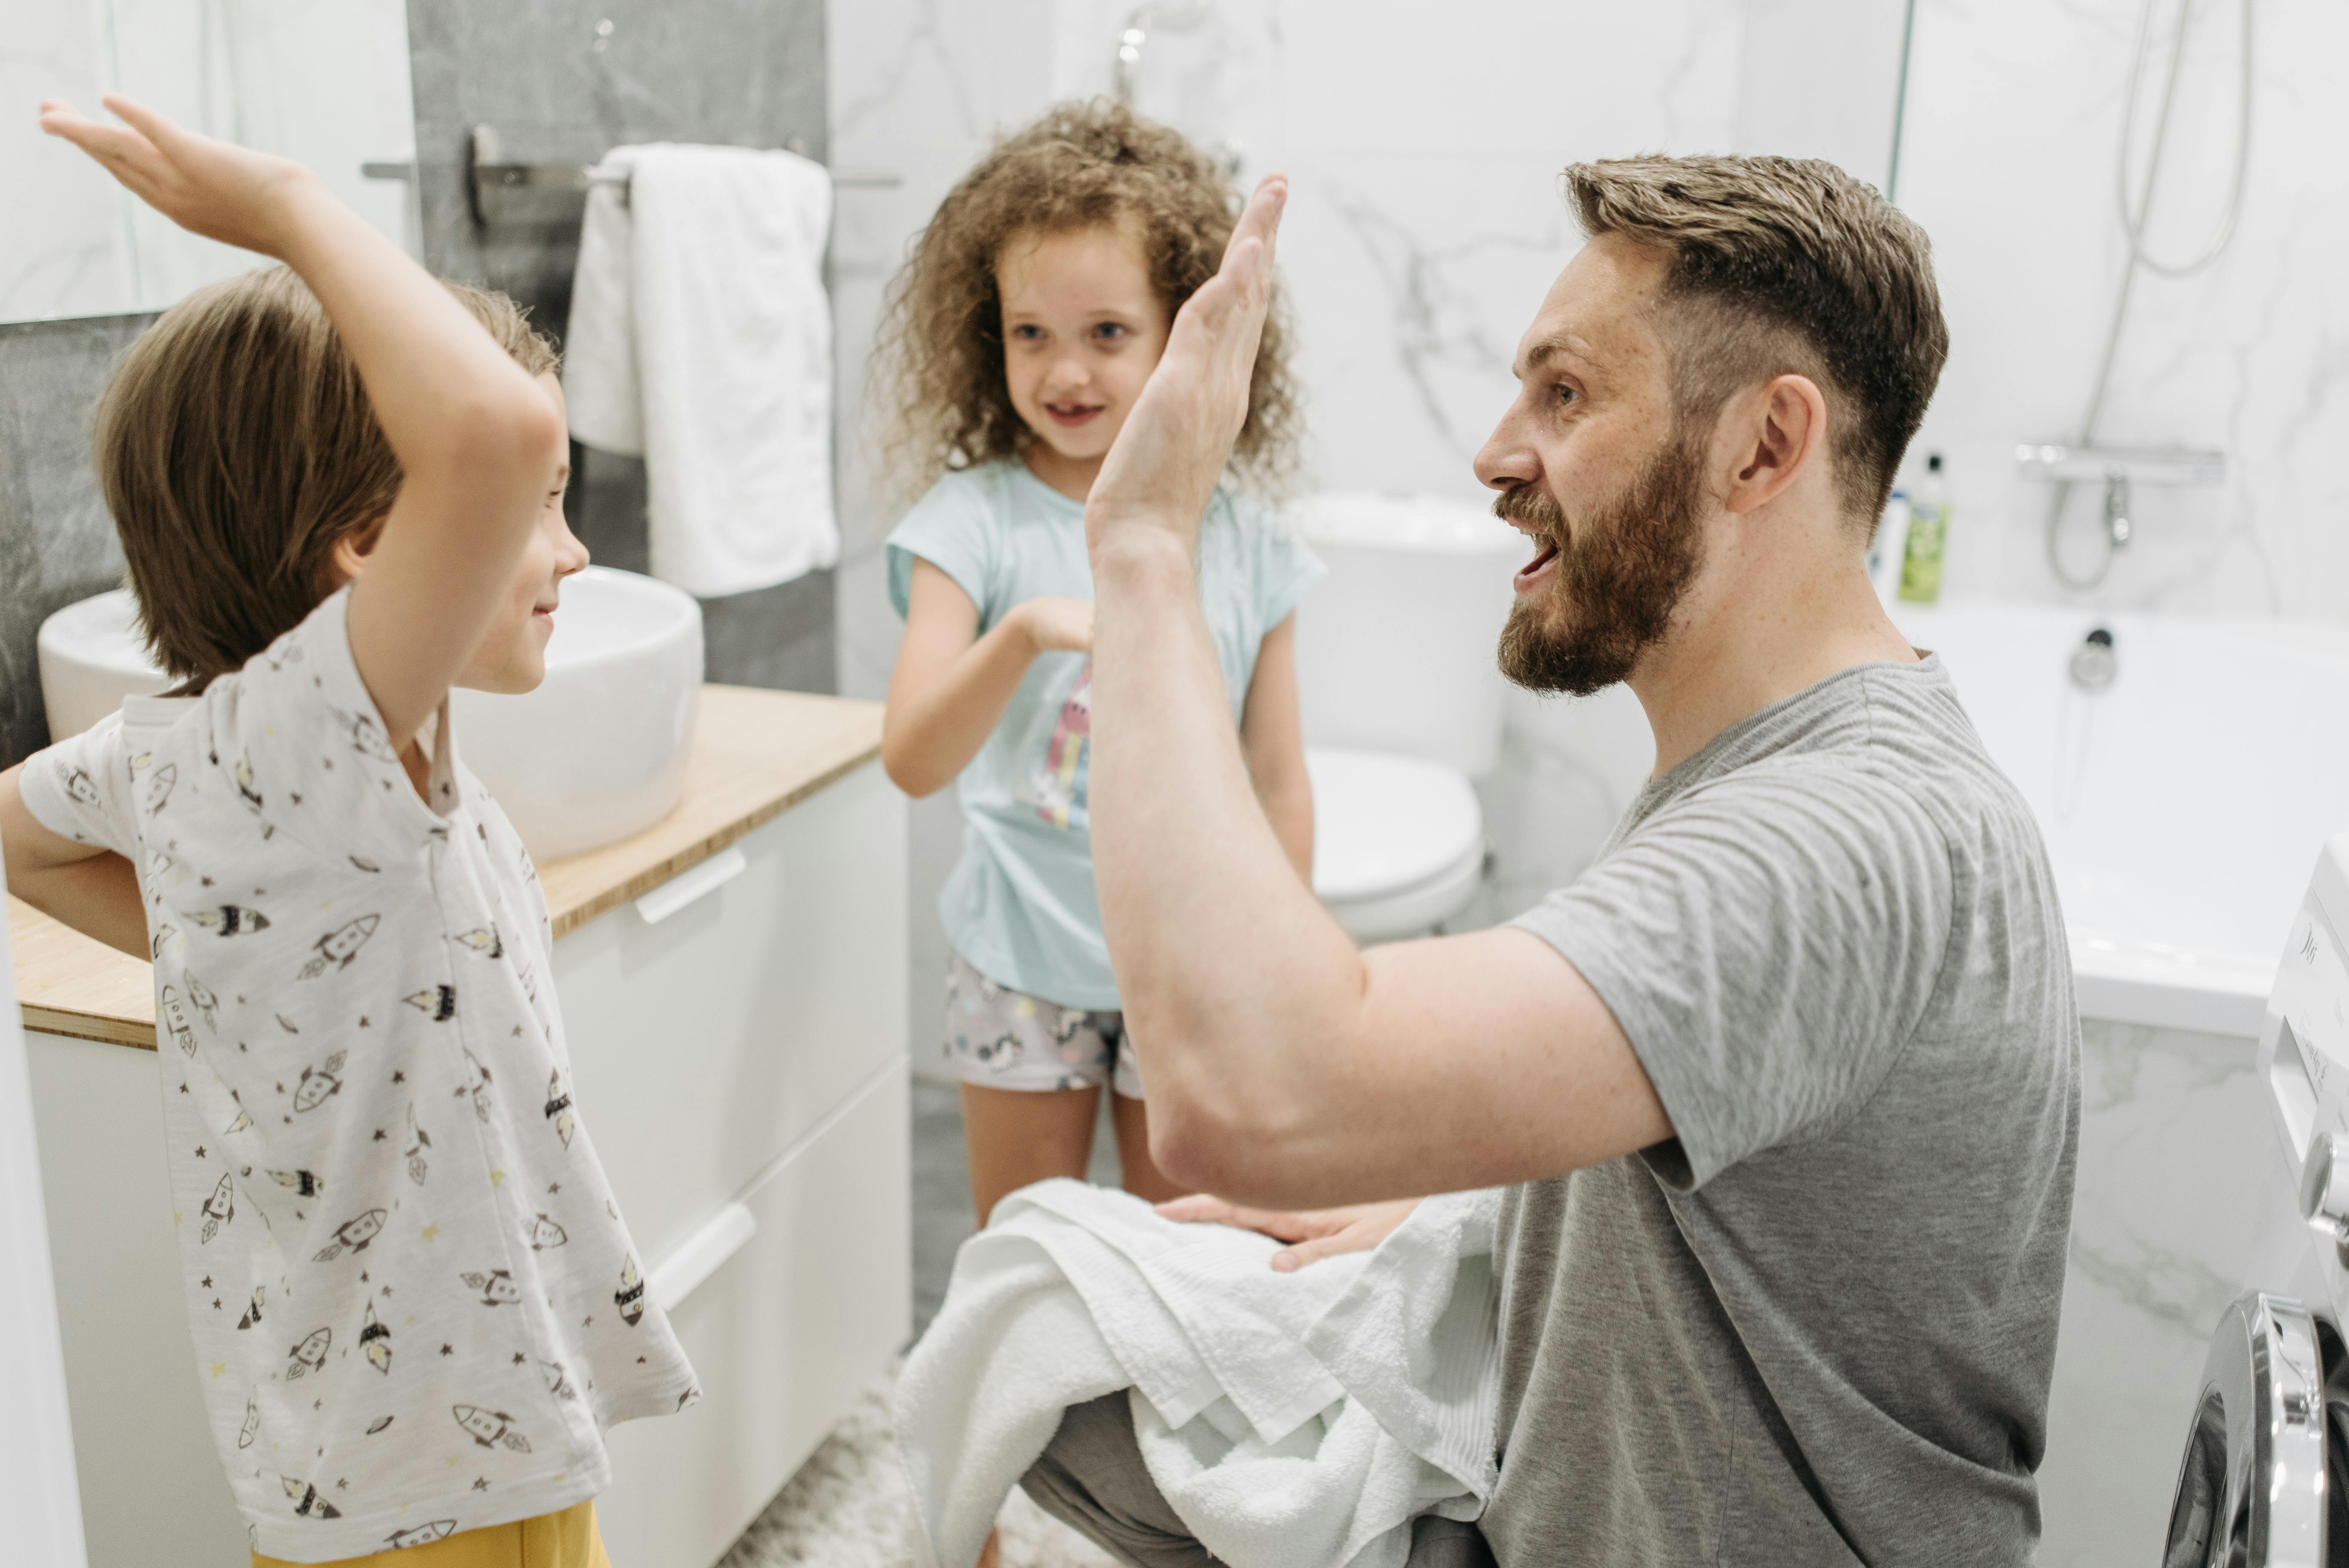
x,y
2183,805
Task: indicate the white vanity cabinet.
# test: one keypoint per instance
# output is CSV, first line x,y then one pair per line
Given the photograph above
x,y
732,985
740,1064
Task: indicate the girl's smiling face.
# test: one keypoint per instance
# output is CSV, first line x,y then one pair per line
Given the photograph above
x,y
1082,329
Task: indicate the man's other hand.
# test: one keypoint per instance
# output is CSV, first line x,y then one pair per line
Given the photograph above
x,y
1312,1235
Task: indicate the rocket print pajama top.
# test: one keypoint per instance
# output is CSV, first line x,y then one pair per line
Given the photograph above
x,y
415,1303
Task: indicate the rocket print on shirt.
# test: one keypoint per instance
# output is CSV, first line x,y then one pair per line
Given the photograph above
x,y
375,1342
417,1142
307,1504
176,1020
352,1236
1061,787
339,947
489,1428
558,1108
219,1208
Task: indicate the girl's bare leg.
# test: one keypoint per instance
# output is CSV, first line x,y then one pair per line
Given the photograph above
x,y
1017,1136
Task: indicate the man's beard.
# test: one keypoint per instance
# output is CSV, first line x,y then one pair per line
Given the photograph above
x,y
1620,570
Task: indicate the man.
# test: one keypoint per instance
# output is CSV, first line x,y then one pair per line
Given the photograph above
x,y
1786,1086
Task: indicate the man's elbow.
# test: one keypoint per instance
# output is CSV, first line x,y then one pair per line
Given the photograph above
x,y
1213,1146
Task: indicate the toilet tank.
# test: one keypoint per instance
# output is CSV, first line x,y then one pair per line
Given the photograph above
x,y
1395,647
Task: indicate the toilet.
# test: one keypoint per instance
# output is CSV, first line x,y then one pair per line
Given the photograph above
x,y
1403,705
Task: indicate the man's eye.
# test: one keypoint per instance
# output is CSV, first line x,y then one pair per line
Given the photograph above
x,y
1565,394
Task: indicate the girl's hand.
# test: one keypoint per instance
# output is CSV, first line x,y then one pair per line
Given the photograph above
x,y
1316,1234
1057,625
214,189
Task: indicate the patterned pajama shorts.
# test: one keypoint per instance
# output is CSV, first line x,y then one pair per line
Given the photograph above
x,y
1000,1038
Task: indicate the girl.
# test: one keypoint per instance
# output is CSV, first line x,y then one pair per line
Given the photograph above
x,y
1033,309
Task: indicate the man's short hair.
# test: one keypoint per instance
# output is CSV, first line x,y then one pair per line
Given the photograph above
x,y
1785,266
235,446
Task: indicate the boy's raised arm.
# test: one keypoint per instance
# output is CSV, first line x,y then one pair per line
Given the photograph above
x,y
479,443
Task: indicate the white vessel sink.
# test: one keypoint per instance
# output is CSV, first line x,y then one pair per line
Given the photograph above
x,y
597,753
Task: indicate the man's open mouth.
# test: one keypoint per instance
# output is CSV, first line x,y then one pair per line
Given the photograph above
x,y
1538,572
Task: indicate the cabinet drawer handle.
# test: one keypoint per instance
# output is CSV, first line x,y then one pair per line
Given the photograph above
x,y
701,1254
691,884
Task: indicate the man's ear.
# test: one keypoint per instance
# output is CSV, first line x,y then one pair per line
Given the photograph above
x,y
1781,431
352,550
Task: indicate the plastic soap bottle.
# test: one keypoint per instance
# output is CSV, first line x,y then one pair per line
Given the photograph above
x,y
1929,532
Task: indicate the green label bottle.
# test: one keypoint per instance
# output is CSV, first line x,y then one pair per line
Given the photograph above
x,y
1929,532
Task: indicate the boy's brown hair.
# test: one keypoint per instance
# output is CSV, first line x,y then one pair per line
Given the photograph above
x,y
235,446
1083,165
1784,266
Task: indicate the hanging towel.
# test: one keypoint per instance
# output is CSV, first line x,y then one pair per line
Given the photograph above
x,y
1300,1421
700,341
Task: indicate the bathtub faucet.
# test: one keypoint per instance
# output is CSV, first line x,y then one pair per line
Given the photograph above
x,y
2122,470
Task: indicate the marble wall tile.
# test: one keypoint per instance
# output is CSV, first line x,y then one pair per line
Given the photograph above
x,y
57,542
2014,125
564,80
323,81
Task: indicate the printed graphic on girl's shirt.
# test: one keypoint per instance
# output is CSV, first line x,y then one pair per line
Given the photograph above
x,y
1061,785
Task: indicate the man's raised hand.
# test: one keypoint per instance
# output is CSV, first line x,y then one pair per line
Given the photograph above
x,y
1166,461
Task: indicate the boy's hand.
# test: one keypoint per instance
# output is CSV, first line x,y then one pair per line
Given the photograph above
x,y
1313,1235
1057,625
214,189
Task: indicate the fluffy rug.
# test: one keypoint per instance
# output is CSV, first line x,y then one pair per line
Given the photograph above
x,y
849,1508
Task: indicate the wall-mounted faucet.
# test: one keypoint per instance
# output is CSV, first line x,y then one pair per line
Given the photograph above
x,y
2120,469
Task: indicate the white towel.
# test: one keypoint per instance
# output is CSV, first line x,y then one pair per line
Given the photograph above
x,y
700,341
1298,1419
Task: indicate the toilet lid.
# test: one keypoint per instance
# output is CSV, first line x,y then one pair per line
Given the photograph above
x,y
1383,823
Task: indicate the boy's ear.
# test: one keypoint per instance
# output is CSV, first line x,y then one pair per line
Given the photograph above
x,y
352,550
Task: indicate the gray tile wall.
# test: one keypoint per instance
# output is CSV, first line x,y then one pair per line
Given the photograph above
x,y
563,81
57,542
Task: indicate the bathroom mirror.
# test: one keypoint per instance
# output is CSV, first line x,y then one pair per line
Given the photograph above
x,y
323,81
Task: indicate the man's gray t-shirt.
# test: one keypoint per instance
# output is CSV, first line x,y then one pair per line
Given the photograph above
x,y
1816,1327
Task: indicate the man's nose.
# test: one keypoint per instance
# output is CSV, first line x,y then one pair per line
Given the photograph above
x,y
1507,459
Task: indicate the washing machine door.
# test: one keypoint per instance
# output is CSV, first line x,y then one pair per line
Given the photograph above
x,y
2252,1490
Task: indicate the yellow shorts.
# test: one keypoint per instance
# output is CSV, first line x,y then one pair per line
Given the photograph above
x,y
564,1539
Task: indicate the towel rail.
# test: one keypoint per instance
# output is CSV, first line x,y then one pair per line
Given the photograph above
x,y
496,181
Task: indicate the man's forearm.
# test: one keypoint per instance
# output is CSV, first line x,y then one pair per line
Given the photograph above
x,y
1233,977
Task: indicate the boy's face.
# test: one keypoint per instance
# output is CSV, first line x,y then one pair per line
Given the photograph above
x,y
1082,329
511,657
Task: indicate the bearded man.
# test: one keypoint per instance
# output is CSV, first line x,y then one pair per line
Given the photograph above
x,y
1784,1088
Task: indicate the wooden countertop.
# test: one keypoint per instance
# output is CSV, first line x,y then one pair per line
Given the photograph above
x,y
756,753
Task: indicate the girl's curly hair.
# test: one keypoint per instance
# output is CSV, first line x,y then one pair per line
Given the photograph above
x,y
1084,164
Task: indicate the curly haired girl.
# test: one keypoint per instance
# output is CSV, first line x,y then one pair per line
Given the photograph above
x,y
1033,309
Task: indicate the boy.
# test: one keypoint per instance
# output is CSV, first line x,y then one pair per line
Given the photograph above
x,y
415,1305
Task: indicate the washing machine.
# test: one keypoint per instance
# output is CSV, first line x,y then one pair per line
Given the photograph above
x,y
2264,1479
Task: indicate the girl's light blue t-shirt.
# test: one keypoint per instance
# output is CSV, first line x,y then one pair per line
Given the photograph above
x,y
1020,905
